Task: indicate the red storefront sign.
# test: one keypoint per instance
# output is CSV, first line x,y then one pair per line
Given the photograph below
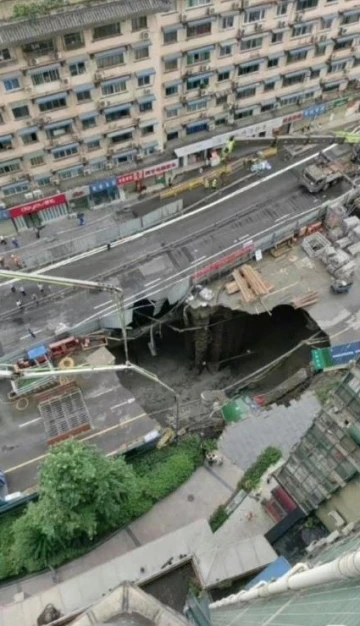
x,y
293,118
37,205
225,260
157,170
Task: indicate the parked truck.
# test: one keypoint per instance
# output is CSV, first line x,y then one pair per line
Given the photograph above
x,y
320,176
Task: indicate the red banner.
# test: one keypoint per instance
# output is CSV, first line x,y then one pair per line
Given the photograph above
x,y
37,205
156,170
225,260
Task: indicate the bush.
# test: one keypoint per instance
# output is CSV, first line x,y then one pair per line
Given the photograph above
x,y
218,518
252,476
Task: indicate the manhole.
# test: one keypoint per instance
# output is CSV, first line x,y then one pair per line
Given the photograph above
x,y
191,498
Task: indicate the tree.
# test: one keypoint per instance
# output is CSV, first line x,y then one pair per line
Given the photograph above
x,y
81,493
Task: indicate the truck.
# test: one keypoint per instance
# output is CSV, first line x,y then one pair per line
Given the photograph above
x,y
320,176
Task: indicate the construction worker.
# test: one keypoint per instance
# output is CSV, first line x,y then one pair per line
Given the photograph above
x,y
206,183
214,183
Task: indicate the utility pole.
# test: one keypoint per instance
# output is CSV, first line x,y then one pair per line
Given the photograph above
x,y
89,285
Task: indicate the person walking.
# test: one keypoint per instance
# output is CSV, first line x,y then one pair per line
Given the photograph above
x,y
37,232
16,261
3,241
19,304
35,299
81,218
41,288
22,290
31,332
15,242
13,289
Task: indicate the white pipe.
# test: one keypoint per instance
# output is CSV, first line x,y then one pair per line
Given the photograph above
x,y
346,566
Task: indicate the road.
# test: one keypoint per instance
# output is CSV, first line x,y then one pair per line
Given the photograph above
x,y
149,263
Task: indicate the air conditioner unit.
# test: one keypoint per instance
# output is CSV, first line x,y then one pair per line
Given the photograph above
x,y
258,27
140,155
281,24
183,18
110,151
87,171
144,35
136,120
54,180
65,81
37,193
98,76
298,17
146,92
342,31
100,104
210,11
29,195
57,56
33,62
225,107
28,89
323,37
76,137
211,126
109,165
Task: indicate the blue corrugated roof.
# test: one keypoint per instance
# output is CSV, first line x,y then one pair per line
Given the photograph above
x,y
274,570
345,352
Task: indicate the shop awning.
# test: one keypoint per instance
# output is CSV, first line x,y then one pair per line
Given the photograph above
x,y
89,115
84,87
60,124
118,107
52,98
109,53
119,133
44,68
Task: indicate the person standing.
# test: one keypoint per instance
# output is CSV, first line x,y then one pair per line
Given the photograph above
x,y
15,242
37,232
214,184
35,299
3,241
31,332
13,289
206,184
22,290
19,304
41,289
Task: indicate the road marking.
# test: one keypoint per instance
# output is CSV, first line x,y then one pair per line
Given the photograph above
x,y
116,406
179,218
37,419
99,306
152,282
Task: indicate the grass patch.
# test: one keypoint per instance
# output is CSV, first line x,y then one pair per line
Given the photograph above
x,y
252,476
218,518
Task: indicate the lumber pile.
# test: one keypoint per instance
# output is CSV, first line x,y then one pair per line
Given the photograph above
x,y
248,282
301,302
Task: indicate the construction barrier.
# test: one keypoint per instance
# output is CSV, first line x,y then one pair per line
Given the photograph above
x,y
195,182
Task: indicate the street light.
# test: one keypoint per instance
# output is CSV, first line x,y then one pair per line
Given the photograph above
x,y
118,294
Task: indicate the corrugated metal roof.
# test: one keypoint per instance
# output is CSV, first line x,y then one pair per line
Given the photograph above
x,y
75,17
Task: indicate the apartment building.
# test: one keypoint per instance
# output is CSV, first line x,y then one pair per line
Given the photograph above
x,y
322,472
93,91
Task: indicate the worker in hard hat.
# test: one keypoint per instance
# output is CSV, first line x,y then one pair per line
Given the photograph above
x,y
206,183
214,183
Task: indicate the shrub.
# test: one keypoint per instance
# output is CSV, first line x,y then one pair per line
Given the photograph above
x,y
218,518
252,476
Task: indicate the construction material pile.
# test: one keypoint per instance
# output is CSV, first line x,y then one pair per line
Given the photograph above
x,y
248,282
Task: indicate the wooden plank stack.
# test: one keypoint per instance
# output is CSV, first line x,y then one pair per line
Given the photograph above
x,y
248,282
301,302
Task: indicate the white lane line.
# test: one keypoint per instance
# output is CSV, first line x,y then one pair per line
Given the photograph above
x,y
152,282
179,218
24,424
116,406
99,306
36,332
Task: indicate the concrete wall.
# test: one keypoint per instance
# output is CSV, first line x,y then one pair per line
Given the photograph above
x,y
346,502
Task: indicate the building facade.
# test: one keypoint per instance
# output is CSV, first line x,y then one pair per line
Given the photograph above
x,y
90,91
322,472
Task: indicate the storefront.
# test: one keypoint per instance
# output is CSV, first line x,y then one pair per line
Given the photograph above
x,y
104,191
39,212
78,198
139,180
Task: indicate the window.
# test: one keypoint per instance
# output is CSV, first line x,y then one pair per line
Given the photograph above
x,y
239,115
141,53
248,69
282,8
90,122
47,76
197,83
320,49
342,45
223,75
172,134
172,113
255,15
144,107
38,160
20,111
277,36
94,144
273,62
199,105
267,107
11,84
326,23
110,60
315,73
17,188
250,44
76,69
246,93
117,115
72,41
52,105
337,67
5,55
29,138
125,136
303,5
43,181
294,57
65,152
221,100
144,81
8,168
220,121
139,23
39,48
147,130
109,30
225,51
71,173
227,22
293,80
171,65
199,30
171,90
6,144
351,19
302,29
269,86
112,88
170,37
83,96
197,3
355,63
198,57
199,127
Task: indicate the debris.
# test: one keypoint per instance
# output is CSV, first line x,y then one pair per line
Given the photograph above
x,y
206,294
245,293
249,283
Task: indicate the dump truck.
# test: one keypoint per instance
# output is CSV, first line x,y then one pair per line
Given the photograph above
x,y
320,176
